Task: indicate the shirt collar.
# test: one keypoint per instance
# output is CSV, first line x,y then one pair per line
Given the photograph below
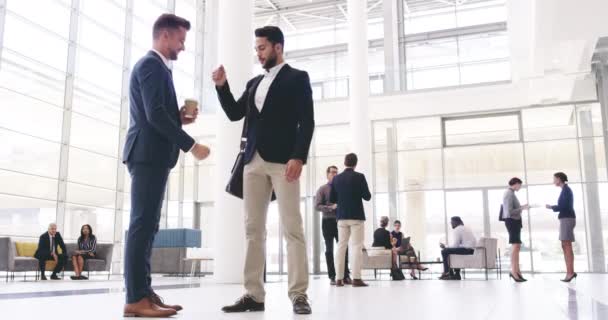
x,y
165,60
274,70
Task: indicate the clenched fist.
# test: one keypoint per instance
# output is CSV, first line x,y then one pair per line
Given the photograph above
x,y
219,76
200,152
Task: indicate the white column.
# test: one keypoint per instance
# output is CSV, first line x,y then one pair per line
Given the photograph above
x,y
360,125
235,50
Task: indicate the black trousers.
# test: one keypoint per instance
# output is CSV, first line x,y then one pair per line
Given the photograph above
x,y
148,186
61,258
445,254
330,234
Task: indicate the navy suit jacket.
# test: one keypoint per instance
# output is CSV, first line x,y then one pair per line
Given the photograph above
x,y
348,190
44,245
565,203
283,130
155,133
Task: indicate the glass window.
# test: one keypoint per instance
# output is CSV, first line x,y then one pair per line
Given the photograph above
x,y
99,71
188,183
548,255
206,184
34,42
89,196
483,46
174,184
420,170
53,15
422,217
433,78
332,140
187,10
432,53
593,159
92,169
482,129
589,120
90,134
549,123
92,102
28,155
421,133
483,165
96,10
468,205
31,116
101,41
488,71
382,172
481,13
543,159
27,185
383,130
321,165
25,217
101,221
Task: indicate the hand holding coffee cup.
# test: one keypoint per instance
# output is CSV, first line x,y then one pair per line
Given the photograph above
x,y
190,108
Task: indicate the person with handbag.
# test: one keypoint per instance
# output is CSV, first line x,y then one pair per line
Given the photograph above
x,y
279,124
511,214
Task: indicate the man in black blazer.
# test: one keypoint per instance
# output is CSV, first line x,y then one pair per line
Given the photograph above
x,y
279,110
347,191
48,246
152,147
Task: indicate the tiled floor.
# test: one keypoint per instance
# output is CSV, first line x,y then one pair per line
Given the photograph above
x,y
543,297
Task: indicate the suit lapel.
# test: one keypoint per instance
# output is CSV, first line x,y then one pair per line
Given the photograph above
x,y
251,97
274,85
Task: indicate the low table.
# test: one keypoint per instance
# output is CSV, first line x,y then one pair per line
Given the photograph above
x,y
193,264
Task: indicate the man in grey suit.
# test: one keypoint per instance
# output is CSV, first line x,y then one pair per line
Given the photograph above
x,y
152,147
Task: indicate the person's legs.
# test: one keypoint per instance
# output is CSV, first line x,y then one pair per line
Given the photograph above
x,y
75,265
446,262
515,249
257,190
288,198
337,237
445,253
343,236
60,264
42,264
568,257
80,264
147,192
357,236
328,226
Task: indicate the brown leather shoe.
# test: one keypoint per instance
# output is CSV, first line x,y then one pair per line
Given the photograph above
x,y
158,300
340,283
348,281
146,309
359,283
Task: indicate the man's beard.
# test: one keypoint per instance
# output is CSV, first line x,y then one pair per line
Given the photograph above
x,y
172,55
270,62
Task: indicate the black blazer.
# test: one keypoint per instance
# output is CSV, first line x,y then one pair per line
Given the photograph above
x,y
348,188
382,238
44,245
155,133
565,204
283,130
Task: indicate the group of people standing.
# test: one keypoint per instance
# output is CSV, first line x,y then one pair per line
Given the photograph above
x,y
511,214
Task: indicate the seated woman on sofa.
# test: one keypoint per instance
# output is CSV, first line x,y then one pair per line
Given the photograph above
x,y
404,247
87,245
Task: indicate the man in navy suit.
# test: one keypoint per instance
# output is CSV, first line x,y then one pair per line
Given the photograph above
x,y
348,189
152,147
279,110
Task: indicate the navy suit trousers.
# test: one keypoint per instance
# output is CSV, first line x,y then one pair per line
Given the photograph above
x,y
148,185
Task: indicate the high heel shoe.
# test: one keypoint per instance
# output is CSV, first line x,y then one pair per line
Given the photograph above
x,y
522,277
413,275
569,279
515,279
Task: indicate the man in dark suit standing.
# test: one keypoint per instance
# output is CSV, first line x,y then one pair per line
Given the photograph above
x,y
348,189
279,110
48,244
152,147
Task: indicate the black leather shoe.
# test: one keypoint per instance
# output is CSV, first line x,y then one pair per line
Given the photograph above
x,y
55,277
43,278
301,305
244,304
332,282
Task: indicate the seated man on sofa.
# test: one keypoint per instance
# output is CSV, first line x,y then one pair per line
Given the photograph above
x,y
48,249
462,243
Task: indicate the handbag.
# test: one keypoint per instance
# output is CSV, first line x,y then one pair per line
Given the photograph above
x,y
235,182
397,274
500,217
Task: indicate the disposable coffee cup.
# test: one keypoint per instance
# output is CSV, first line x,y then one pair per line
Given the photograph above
x,y
191,106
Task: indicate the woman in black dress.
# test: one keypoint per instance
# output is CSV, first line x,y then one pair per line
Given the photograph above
x,y
87,245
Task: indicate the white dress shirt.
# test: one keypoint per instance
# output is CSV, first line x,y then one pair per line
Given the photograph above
x,y
463,237
264,86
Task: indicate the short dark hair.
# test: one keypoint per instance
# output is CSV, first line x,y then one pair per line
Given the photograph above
x,y
331,167
350,160
168,21
272,33
561,176
396,222
457,220
515,181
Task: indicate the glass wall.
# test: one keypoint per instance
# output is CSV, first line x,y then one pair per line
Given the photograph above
x,y
460,166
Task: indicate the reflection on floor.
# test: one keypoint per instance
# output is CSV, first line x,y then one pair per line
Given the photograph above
x,y
543,297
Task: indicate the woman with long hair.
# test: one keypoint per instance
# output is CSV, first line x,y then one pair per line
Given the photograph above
x,y
87,245
567,222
